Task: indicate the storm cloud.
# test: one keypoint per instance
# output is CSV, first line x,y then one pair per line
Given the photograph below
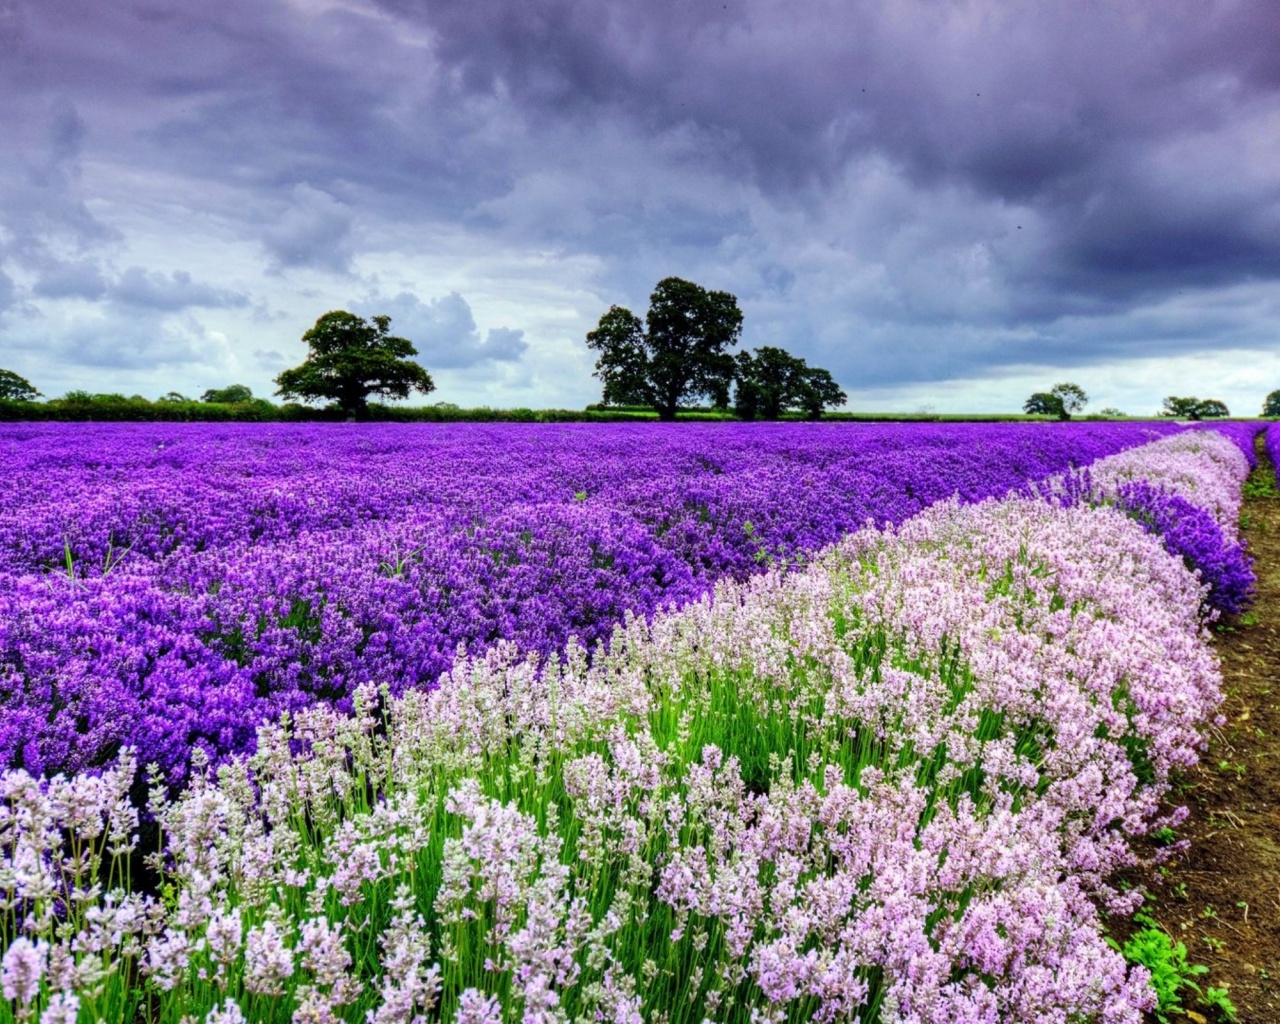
x,y
911,193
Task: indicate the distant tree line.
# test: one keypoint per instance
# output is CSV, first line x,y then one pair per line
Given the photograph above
x,y
671,361
109,407
668,362
1063,400
1194,408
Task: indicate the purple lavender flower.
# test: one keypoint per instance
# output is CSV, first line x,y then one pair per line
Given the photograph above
x,y
1193,534
173,585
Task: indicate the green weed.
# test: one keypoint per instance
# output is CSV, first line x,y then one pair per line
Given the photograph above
x,y
1171,971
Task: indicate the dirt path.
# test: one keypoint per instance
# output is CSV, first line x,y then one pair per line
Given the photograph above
x,y
1222,898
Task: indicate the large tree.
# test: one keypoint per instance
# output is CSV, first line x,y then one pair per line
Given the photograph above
x,y
1061,400
232,394
351,359
676,355
1191,408
16,389
1271,404
818,391
773,381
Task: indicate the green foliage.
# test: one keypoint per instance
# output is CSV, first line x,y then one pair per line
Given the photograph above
x,y
1180,408
85,406
1061,401
675,356
260,410
1171,971
14,388
1260,485
1218,999
1271,404
231,394
1043,404
1191,408
351,359
773,382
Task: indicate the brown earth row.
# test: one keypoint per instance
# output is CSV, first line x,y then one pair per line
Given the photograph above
x,y
1221,897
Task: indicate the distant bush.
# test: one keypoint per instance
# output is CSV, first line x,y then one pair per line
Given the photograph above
x,y
84,406
174,407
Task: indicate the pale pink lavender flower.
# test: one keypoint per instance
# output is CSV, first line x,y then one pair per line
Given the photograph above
x,y
268,961
62,1008
474,1007
168,957
22,968
315,1006
229,1014
322,952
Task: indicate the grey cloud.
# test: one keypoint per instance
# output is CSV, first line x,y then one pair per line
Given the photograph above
x,y
863,354
1054,106
80,279
11,26
66,136
314,231
119,339
858,170
444,331
777,278
270,360
262,98
503,345
135,287
42,202
139,287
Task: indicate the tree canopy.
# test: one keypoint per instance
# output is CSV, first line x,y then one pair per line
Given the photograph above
x,y
773,382
230,395
676,355
1271,404
14,388
351,359
1061,400
1191,408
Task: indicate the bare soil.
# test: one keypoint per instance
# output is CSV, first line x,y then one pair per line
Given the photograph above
x,y
1221,897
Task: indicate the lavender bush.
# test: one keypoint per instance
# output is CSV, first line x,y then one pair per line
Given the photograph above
x,y
891,787
174,585
1193,534
1272,442
1187,490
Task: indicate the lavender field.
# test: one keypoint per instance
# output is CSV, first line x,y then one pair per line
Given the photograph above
x,y
176,585
881,713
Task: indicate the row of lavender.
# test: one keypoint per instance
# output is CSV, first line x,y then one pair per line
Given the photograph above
x,y
892,787
176,585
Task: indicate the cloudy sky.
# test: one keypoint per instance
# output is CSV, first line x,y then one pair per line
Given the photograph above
x,y
947,203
